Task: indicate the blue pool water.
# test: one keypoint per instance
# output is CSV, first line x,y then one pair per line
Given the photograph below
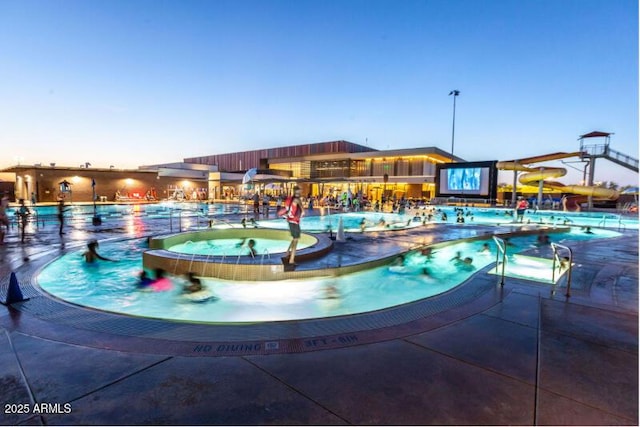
x,y
233,247
197,215
484,216
352,222
112,286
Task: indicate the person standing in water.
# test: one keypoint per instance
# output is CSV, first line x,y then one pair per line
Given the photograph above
x,y
23,213
61,211
92,255
521,207
293,213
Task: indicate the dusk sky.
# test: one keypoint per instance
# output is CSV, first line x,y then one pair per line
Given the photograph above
x,y
129,83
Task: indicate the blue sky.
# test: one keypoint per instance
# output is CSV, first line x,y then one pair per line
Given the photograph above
x,y
136,82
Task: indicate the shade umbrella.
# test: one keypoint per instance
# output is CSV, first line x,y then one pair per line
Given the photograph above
x,y
65,185
248,176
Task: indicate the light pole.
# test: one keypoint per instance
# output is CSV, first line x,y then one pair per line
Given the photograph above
x,y
455,93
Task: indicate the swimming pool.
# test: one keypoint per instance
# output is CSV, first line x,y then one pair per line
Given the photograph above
x,y
112,286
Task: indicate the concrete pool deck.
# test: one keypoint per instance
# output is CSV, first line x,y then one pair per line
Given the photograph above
x,y
481,355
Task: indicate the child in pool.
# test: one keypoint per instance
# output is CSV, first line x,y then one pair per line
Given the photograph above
x,y
251,244
161,283
195,285
144,280
91,255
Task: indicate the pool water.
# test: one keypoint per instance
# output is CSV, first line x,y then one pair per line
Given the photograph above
x,y
352,222
417,217
111,286
198,214
531,268
152,210
499,216
233,247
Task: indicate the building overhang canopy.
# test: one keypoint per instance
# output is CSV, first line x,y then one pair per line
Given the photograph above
x,y
428,153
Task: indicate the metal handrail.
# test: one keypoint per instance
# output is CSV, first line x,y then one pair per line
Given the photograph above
x,y
235,270
265,252
603,221
223,221
502,249
556,257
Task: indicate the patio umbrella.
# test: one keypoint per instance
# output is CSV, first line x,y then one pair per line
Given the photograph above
x,y
248,176
65,186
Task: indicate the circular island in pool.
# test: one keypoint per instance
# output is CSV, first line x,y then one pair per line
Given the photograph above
x,y
224,253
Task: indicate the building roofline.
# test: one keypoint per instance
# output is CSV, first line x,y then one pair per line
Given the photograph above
x,y
360,146
433,152
72,168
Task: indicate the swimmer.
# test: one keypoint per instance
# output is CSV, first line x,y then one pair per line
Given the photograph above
x,y
251,244
161,283
465,264
91,255
543,239
457,257
144,279
485,248
427,252
331,292
195,285
588,230
363,224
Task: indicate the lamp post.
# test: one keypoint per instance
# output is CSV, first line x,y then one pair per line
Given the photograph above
x,y
455,93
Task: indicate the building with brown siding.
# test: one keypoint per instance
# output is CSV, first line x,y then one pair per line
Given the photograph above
x,y
320,169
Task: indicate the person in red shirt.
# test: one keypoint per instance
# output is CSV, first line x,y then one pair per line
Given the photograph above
x,y
292,213
521,207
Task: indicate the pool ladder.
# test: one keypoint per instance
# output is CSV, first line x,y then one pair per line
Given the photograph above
x,y
621,225
557,261
502,250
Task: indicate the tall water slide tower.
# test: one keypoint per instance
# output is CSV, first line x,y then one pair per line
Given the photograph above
x,y
592,151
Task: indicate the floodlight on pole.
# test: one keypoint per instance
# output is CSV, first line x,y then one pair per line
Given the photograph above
x,y
455,93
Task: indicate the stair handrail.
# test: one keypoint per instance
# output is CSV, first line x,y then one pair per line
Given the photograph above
x,y
502,249
556,257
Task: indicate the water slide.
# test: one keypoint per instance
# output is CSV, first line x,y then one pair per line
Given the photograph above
x,y
534,174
